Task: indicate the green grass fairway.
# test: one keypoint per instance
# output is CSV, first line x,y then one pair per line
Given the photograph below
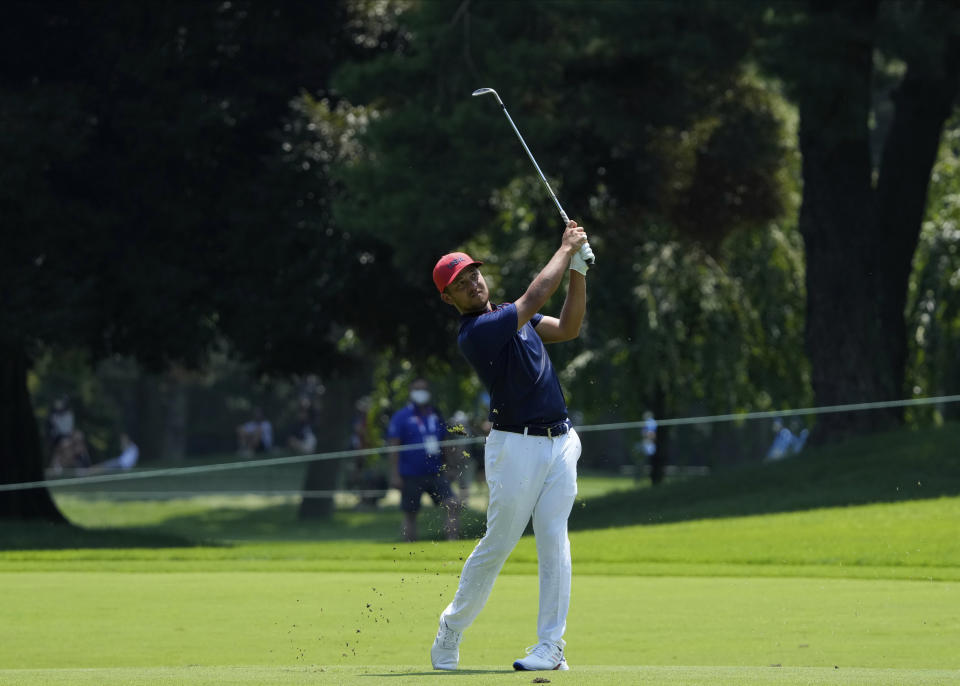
x,y
413,675
796,573
369,623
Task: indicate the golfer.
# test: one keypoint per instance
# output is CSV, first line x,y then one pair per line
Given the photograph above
x,y
532,450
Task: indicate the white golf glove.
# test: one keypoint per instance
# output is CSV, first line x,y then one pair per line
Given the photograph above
x,y
578,264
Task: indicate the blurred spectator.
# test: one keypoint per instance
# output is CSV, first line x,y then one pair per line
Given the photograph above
x,y
648,444
60,422
255,435
303,440
70,452
785,442
801,435
359,428
420,468
61,455
129,454
79,450
365,475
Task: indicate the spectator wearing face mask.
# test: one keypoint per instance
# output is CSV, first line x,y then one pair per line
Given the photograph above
x,y
421,467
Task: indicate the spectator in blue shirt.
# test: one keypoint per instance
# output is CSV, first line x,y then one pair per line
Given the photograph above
x,y
420,468
255,435
785,442
129,454
649,447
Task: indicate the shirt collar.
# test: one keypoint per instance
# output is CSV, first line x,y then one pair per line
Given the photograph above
x,y
473,315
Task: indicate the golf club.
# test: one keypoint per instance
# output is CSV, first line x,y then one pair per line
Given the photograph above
x,y
585,252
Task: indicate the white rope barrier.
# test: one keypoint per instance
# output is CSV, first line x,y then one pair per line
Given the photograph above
x,y
342,454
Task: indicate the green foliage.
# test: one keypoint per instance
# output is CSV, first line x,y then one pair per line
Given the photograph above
x,y
97,412
657,135
934,307
699,332
618,91
152,207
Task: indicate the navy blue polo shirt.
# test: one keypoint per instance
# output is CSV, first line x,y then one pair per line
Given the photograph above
x,y
514,366
413,428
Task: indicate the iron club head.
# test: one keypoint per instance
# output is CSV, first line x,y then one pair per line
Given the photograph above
x,y
484,91
585,250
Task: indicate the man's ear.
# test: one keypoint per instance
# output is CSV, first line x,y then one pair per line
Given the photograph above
x,y
445,297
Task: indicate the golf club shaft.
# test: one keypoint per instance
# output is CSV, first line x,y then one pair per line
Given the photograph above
x,y
566,220
585,252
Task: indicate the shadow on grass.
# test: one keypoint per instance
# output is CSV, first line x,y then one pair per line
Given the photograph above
x,y
280,523
225,526
889,467
444,673
45,536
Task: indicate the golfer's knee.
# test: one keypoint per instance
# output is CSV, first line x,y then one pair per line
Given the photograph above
x,y
550,529
494,551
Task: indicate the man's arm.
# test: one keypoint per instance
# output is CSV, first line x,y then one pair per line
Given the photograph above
x,y
567,327
549,278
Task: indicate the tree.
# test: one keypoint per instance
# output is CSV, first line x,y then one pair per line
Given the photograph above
x,y
654,129
861,218
148,209
934,310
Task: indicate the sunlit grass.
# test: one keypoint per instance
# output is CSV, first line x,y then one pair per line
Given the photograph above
x,y
815,571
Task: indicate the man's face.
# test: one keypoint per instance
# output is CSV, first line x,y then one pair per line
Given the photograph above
x,y
420,392
420,385
468,292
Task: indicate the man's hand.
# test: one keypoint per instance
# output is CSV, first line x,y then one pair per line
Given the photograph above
x,y
573,237
549,278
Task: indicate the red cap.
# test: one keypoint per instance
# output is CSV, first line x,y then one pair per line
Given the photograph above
x,y
449,266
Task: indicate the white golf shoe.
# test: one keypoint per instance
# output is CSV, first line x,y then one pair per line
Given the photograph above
x,y
542,656
445,652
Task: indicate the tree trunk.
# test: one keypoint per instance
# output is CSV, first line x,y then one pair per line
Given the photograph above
x,y
175,403
860,240
21,452
838,221
321,476
334,420
923,101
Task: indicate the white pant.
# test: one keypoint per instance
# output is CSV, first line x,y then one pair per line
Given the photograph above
x,y
527,475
